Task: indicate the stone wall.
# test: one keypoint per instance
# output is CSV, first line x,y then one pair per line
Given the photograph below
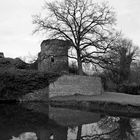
x,y
53,56
74,84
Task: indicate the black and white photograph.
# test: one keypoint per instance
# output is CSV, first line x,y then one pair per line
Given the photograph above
x,y
70,70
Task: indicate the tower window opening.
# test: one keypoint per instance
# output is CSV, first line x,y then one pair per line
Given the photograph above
x,y
52,59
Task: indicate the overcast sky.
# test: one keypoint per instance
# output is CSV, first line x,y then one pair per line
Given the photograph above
x,y
16,39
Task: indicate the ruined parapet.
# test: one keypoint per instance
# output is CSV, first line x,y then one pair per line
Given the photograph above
x,y
53,56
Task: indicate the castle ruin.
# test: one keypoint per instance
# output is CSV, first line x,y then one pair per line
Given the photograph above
x,y
53,56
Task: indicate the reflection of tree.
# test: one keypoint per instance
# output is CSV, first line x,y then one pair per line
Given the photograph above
x,y
99,136
106,128
122,132
60,133
125,129
79,132
118,129
108,123
15,120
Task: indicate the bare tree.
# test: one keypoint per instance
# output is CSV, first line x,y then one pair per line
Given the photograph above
x,y
83,23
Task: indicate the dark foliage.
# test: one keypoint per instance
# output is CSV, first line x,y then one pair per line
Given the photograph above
x,y
129,89
34,65
16,83
73,69
103,80
17,63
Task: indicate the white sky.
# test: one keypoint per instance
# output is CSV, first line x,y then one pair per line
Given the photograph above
x,y
16,39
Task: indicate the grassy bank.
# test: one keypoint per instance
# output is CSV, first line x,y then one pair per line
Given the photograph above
x,y
109,103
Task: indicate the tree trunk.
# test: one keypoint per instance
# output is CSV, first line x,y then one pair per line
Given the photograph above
x,y
80,69
79,132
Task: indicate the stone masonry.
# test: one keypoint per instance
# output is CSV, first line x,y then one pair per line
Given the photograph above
x,y
53,56
76,85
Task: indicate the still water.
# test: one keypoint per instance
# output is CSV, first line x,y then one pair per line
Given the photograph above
x,y
39,121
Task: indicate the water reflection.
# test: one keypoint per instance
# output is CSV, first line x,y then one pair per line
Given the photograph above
x,y
135,124
25,136
106,128
37,121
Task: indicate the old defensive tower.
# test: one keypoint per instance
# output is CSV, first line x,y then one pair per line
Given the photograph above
x,y
53,56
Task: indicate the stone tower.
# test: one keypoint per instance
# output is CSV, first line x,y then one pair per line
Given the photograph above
x,y
53,56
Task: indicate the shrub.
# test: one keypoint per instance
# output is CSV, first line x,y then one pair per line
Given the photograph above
x,y
73,69
133,89
16,83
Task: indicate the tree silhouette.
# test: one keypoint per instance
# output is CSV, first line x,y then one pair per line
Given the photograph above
x,y
86,25
118,60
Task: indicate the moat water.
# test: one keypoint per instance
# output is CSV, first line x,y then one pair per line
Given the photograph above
x,y
39,121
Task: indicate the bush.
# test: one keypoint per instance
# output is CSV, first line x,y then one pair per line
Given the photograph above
x,y
73,69
132,89
16,83
10,63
